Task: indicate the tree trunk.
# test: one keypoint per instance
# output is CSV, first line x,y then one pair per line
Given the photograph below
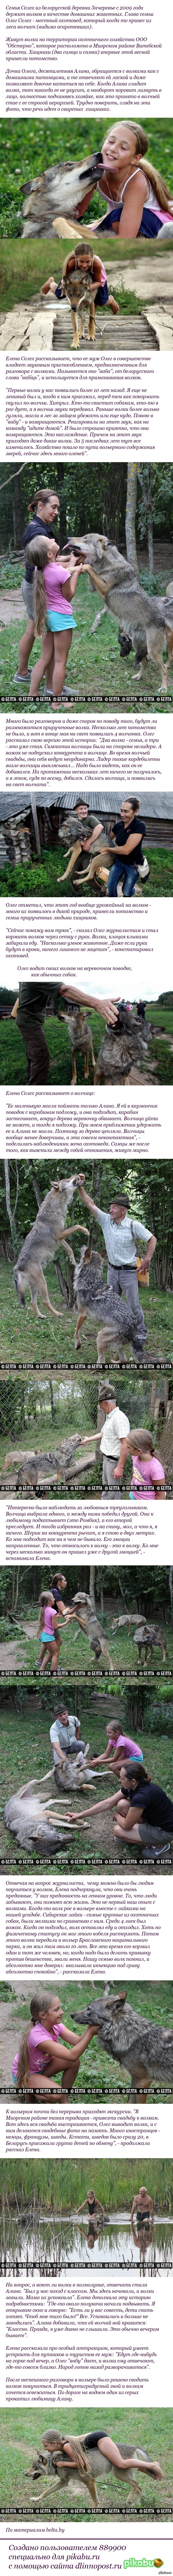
x,y
150,542
35,826
171,1592
52,1398
131,505
17,512
92,1587
10,1211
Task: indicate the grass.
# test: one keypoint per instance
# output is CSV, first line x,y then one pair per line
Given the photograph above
x,y
13,1062
76,1656
20,2436
24,1337
25,1752
24,267
95,670
61,2183
45,877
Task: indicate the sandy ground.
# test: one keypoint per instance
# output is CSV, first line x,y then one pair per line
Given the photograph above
x,y
12,606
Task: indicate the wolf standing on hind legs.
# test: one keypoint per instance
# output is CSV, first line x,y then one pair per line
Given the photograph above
x,y
47,1234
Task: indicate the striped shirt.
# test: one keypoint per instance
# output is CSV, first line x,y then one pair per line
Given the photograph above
x,y
121,1240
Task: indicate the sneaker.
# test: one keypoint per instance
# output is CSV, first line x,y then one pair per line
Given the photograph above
x,y
22,683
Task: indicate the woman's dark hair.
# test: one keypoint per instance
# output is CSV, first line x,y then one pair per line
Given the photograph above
x,y
135,1771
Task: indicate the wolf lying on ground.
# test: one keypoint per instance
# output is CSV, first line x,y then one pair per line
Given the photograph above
x,y
47,1233
118,1324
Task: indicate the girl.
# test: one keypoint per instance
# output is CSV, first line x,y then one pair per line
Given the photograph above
x,y
138,201
83,260
48,2048
50,1639
148,1475
54,586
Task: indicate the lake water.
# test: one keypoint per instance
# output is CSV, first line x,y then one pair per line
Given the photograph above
x,y
54,2245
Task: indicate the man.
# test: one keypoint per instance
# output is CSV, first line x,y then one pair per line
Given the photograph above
x,y
115,1429
142,2207
121,1235
130,831
45,510
64,1735
29,1010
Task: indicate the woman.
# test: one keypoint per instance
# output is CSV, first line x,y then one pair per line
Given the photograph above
x,y
128,834
54,585
142,2213
47,2049
148,1476
144,1813
138,201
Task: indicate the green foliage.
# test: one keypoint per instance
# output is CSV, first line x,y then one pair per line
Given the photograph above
x,y
45,877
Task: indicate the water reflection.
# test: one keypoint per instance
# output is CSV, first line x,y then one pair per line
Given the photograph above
x,y
55,2244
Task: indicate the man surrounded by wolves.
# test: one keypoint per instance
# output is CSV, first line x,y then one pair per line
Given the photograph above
x,y
122,1232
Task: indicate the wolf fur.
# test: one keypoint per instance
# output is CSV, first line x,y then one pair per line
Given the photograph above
x,y
116,581
143,2048
88,1622
47,1233
56,193
118,1324
80,1035
53,2457
120,1053
80,293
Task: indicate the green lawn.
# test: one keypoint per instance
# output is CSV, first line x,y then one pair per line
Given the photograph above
x,y
24,267
24,1337
26,1752
94,671
45,877
20,2435
13,1064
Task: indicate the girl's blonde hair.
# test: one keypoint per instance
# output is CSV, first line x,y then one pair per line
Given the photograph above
x,y
141,146
37,556
141,1440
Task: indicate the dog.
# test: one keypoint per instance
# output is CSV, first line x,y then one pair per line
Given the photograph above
x,y
147,1635
80,291
47,1234
118,1324
80,1036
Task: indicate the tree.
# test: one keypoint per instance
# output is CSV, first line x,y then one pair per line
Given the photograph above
x,y
131,505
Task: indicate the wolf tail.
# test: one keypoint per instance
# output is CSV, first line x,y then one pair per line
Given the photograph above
x,y
19,1287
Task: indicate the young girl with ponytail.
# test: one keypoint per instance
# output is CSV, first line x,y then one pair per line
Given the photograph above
x,y
54,584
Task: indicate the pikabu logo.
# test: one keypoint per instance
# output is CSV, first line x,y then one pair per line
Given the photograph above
x,y
143,2562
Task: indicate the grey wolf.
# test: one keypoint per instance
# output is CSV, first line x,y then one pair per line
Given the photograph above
x,y
106,1308
47,1233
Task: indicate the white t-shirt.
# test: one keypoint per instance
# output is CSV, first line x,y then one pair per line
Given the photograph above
x,y
63,1735
122,1240
115,1429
